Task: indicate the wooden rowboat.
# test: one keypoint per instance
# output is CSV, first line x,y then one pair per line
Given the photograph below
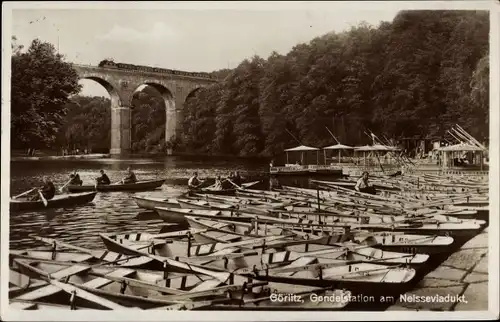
x,y
358,277
151,203
20,283
58,292
92,256
230,191
387,240
207,205
59,201
284,251
179,249
178,215
138,186
152,290
407,243
355,275
123,287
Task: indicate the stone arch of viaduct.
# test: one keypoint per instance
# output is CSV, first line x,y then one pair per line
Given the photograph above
x,y
121,85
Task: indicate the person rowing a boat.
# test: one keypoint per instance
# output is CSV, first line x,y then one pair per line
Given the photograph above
x,y
274,183
130,178
194,182
363,185
48,190
75,179
235,179
103,179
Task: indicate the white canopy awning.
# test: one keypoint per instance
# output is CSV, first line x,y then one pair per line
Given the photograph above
x,y
376,147
338,147
302,148
461,147
393,148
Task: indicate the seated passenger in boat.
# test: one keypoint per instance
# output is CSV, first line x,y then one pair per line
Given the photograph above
x,y
48,190
363,185
218,183
237,179
103,179
274,183
194,182
130,178
75,179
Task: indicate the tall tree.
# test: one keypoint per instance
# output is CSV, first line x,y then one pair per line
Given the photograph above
x,y
41,83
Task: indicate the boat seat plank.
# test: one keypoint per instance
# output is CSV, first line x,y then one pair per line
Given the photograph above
x,y
103,281
89,296
206,285
21,305
39,293
18,279
73,270
299,262
24,288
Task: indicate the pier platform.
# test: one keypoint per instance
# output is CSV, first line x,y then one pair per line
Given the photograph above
x,y
63,157
465,272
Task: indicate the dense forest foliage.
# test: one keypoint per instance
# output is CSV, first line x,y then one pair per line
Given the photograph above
x,y
412,78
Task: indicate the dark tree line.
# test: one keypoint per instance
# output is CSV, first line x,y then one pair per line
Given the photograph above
x,y
413,77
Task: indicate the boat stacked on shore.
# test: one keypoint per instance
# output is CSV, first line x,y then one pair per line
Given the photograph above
x,y
289,248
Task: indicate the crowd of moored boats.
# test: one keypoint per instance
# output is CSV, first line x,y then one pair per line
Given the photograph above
x,y
242,248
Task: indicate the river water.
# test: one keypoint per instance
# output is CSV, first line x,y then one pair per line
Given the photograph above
x,y
112,212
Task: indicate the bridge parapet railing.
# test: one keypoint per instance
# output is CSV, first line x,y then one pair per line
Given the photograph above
x,y
146,73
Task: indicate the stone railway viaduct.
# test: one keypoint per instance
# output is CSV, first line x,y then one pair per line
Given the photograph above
x,y
121,85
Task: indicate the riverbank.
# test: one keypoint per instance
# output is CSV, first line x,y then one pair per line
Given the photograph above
x,y
463,277
62,157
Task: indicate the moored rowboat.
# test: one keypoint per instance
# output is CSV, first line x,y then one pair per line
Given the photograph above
x,y
230,191
138,186
360,278
151,203
59,201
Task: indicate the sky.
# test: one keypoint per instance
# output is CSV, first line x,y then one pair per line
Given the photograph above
x,y
190,40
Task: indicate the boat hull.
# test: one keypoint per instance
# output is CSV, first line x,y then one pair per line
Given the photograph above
x,y
138,186
151,203
59,201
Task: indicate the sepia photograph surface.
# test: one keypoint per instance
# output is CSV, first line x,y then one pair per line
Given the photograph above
x,y
250,161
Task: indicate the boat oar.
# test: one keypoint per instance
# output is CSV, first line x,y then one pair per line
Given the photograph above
x,y
221,276
65,185
45,202
201,183
99,254
234,184
116,262
24,193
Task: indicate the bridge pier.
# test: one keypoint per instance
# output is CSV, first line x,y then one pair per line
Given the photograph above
x,y
121,128
172,121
